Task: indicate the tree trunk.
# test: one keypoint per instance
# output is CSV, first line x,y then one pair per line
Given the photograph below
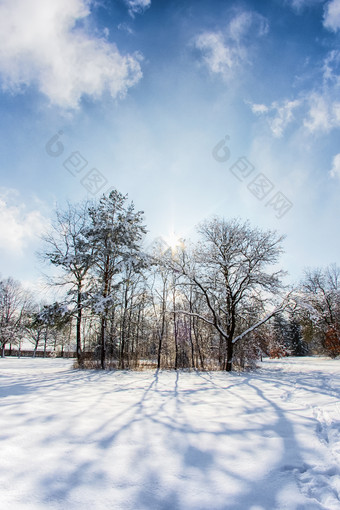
x,y
45,342
129,347
123,329
161,333
175,329
190,332
102,343
78,328
230,348
160,339
122,344
176,345
198,345
103,317
192,345
137,334
36,344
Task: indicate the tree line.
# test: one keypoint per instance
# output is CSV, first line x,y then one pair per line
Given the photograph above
x,y
218,303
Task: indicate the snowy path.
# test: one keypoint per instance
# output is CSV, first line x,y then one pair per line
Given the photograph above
x,y
73,440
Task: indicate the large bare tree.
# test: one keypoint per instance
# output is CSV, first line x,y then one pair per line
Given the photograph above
x,y
229,266
67,248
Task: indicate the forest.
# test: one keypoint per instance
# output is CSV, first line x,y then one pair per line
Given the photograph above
x,y
219,303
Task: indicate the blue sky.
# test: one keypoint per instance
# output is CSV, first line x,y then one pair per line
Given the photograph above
x,y
139,93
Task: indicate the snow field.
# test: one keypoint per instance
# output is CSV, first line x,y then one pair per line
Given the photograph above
x,y
79,440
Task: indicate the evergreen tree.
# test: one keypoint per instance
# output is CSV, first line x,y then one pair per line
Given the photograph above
x,y
116,233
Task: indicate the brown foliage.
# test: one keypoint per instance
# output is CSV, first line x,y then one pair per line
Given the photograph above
x,y
279,351
332,342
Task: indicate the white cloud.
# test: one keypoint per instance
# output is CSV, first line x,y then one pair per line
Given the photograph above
x,y
323,114
331,68
299,5
279,115
284,115
218,57
125,28
137,6
336,114
319,108
318,113
331,19
335,171
259,109
245,21
222,52
323,106
18,227
318,116
45,43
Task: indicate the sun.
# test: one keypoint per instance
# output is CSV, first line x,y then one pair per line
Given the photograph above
x,y
173,241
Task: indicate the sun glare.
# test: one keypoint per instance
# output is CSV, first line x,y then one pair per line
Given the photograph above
x,y
173,241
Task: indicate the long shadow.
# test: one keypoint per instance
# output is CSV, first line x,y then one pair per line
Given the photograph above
x,y
158,407
268,499
251,495
205,460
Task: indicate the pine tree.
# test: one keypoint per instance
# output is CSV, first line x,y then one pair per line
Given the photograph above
x,y
116,233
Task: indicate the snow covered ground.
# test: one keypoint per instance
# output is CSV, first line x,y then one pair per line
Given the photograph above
x,y
73,440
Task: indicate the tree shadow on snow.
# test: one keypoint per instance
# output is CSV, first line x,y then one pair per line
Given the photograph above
x,y
175,443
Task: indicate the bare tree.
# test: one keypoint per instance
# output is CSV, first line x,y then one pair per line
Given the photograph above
x,y
14,302
320,302
67,248
229,267
159,290
36,328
